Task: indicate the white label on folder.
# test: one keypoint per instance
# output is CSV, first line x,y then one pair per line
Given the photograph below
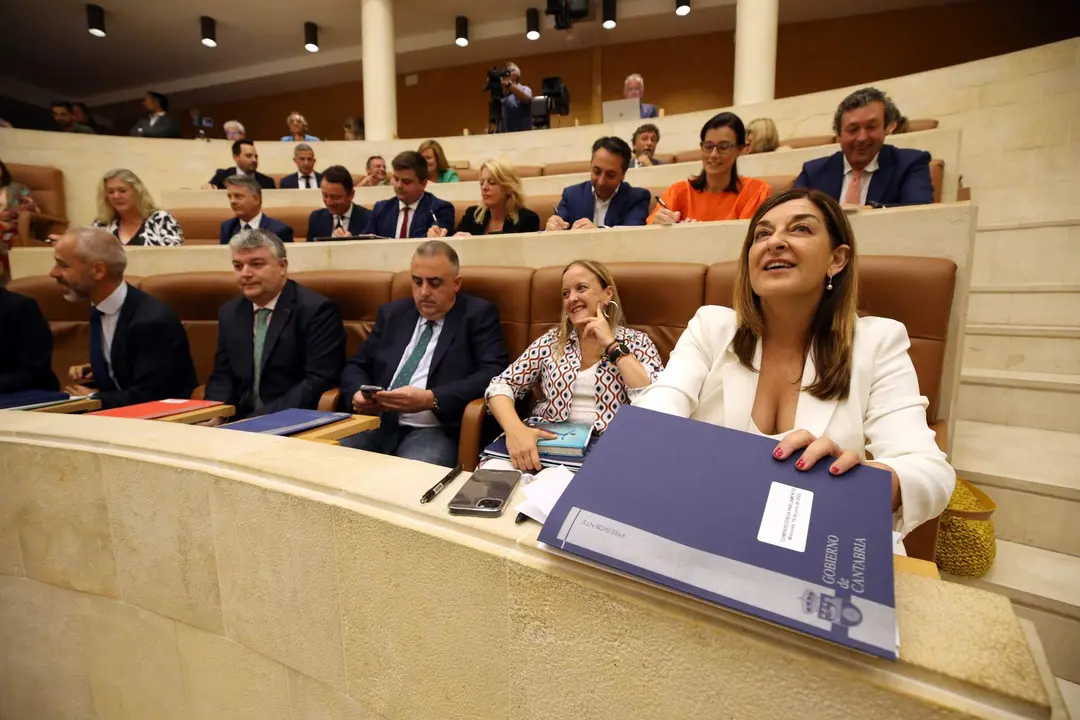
x,y
787,517
175,401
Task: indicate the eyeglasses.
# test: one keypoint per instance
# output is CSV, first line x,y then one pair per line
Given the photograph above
x,y
724,147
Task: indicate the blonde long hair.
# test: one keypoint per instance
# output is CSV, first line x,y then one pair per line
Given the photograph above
x,y
766,138
505,176
833,326
614,315
143,201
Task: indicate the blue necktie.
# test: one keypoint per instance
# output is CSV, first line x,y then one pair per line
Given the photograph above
x,y
97,355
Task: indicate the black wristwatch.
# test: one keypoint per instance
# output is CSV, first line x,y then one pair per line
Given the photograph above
x,y
616,350
434,403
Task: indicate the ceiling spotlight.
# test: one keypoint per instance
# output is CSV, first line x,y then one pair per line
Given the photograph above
x,y
461,26
532,24
609,14
95,20
209,31
311,37
682,7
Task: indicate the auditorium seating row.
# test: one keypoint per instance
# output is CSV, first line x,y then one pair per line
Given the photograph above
x,y
657,298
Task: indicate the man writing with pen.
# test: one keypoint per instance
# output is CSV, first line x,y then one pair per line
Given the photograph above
x,y
605,199
427,357
413,210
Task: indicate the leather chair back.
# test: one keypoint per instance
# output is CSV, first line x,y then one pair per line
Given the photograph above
x,y
657,298
358,294
505,287
921,124
202,226
568,168
915,291
468,174
937,177
46,185
808,141
196,298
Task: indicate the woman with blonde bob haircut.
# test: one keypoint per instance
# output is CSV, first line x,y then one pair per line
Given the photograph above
x,y
502,208
793,361
588,366
761,136
125,208
298,129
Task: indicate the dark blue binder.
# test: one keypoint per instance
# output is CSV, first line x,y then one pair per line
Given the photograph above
x,y
707,511
497,449
31,398
287,422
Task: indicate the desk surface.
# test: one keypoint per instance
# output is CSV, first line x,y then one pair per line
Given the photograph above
x,y
72,406
341,429
195,417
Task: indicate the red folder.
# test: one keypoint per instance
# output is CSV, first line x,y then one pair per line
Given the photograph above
x,y
158,409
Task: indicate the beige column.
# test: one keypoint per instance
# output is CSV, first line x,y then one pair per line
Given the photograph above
x,y
756,23
380,75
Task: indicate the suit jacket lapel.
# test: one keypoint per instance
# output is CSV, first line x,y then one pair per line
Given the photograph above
x,y
423,208
127,311
245,340
812,414
356,224
835,176
449,332
404,333
281,316
740,388
882,177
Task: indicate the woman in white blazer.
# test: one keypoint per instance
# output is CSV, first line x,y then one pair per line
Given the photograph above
x,y
794,362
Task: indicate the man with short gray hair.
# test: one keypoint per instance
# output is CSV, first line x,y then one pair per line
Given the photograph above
x,y
634,87
280,345
139,351
867,171
305,177
427,357
245,199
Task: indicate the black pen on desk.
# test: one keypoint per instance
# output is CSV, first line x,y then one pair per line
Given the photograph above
x,y
521,517
430,494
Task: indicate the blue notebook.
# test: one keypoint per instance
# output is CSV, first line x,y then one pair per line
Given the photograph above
x,y
707,511
571,440
497,449
30,399
287,422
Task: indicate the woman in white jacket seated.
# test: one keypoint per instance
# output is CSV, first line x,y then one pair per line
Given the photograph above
x,y
794,362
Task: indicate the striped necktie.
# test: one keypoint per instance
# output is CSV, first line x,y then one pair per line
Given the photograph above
x,y
853,196
405,376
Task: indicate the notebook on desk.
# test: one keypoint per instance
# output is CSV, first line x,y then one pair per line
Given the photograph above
x,y
32,399
287,422
157,409
707,511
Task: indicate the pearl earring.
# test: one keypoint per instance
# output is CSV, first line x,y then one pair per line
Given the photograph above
x,y
829,286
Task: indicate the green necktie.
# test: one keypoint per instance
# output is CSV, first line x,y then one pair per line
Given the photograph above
x,y
405,376
262,321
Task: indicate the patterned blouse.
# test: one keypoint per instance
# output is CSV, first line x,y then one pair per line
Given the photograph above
x,y
159,229
557,376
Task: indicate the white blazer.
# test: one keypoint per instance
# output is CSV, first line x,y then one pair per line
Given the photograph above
x,y
883,417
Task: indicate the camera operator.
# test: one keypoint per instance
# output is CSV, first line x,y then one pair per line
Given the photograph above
x,y
516,101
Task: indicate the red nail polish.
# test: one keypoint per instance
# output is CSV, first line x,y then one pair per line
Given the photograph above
x,y
801,464
834,469
778,453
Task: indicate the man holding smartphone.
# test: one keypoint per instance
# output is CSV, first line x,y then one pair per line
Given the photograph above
x,y
426,359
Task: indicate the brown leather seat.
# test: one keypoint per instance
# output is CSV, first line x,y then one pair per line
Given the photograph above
x,y
808,141
196,299
468,174
921,124
358,294
47,188
202,226
567,168
915,291
937,177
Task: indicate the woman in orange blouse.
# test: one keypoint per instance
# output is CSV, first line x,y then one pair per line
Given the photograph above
x,y
718,193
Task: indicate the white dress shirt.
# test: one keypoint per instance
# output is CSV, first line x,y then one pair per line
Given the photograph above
x,y
600,207
864,181
883,416
156,116
253,222
239,171
110,315
345,219
401,217
256,308
310,179
425,418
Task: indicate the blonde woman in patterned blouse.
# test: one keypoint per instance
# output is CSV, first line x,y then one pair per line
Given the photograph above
x,y
126,209
587,366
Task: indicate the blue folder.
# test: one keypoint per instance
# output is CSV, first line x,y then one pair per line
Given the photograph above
x,y
497,449
287,422
31,398
707,511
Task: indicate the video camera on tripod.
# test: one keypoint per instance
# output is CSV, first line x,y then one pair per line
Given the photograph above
x,y
494,88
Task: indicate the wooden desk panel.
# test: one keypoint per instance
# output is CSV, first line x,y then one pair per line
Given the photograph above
x,y
341,429
195,417
72,406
